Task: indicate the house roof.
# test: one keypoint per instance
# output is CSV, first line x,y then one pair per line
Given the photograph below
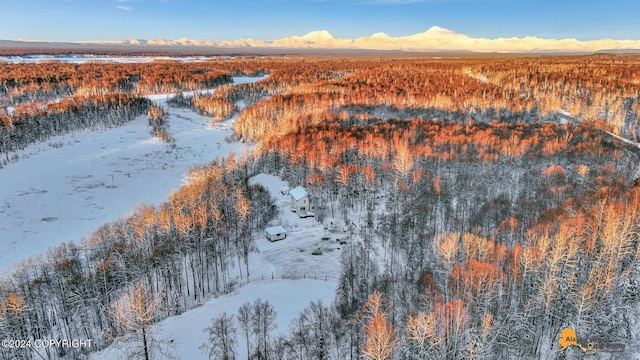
x,y
275,230
298,193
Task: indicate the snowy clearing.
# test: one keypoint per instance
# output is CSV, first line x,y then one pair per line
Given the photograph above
x,y
63,189
292,257
288,297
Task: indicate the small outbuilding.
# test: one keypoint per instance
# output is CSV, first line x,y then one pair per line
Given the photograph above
x,y
275,233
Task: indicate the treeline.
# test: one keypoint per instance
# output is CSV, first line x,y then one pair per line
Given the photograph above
x,y
182,250
600,87
481,89
34,122
56,98
215,106
597,87
312,334
20,83
36,82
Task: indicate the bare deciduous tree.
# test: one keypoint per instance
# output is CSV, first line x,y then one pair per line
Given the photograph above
x,y
222,338
136,312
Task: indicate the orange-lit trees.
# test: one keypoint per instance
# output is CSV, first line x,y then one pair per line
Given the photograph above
x,y
380,338
136,313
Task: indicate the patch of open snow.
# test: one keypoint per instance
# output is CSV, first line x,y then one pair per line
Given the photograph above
x,y
82,180
293,255
482,78
288,298
96,177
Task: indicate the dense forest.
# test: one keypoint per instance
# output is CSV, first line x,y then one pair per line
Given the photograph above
x,y
493,201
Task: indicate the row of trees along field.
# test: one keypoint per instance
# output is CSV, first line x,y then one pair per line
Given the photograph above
x,y
31,123
51,80
218,107
47,81
50,99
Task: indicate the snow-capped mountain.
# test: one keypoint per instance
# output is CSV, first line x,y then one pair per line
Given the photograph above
x,y
434,39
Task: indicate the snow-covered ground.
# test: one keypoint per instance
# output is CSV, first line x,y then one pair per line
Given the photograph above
x,y
63,189
186,331
293,255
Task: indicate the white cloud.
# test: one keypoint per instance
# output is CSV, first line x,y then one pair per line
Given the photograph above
x,y
125,8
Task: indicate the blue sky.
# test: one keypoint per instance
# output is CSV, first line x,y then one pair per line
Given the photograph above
x,y
77,20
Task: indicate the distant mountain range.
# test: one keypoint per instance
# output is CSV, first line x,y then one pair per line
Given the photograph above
x,y
434,39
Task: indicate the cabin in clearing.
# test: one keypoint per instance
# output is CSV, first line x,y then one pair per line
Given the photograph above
x,y
300,202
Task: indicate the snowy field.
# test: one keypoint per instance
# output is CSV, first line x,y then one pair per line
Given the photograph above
x,y
63,189
186,331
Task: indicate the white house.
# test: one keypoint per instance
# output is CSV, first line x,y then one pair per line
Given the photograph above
x,y
275,233
300,202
